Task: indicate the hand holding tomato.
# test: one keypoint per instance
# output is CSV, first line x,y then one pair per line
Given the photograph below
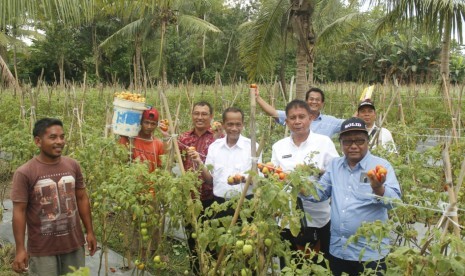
x,y
255,90
377,177
194,155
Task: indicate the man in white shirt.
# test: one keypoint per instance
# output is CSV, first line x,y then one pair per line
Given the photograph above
x,y
306,147
377,135
228,156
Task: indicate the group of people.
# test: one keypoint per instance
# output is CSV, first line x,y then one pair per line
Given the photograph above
x,y
348,197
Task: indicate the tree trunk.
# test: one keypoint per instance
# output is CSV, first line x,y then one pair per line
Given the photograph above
x,y
203,45
445,53
302,11
61,68
95,51
301,72
137,71
7,76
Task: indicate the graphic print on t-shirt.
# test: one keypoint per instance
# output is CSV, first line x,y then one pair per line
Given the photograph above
x,y
58,205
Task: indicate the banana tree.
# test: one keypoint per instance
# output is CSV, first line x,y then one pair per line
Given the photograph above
x,y
445,16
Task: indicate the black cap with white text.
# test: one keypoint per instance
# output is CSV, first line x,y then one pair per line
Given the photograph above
x,y
353,124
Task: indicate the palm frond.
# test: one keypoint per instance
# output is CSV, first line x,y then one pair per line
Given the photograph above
x,y
196,25
338,27
129,31
260,40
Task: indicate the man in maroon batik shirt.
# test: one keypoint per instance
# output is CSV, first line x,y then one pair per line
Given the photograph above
x,y
200,138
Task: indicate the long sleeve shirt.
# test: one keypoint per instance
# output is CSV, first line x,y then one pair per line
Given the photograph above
x,y
317,150
353,202
227,161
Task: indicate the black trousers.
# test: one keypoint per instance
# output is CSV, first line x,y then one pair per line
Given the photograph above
x,y
354,268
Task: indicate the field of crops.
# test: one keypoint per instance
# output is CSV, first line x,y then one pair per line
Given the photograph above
x,y
426,127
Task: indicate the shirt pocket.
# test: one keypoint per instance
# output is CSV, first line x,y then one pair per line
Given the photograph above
x,y
364,192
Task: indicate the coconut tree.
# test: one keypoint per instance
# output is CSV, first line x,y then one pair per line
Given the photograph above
x,y
153,21
280,24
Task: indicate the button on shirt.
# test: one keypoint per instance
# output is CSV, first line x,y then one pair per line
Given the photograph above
x,y
353,202
318,150
201,144
227,161
325,124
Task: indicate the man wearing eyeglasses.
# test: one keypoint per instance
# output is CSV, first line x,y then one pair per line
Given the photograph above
x,y
200,137
356,198
322,124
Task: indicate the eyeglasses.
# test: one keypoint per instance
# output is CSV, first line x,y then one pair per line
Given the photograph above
x,y
200,114
349,143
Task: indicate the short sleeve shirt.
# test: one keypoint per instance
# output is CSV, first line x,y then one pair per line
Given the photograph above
x,y
227,161
52,217
201,144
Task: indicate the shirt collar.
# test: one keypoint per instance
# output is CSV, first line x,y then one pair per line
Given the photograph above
x,y
303,143
320,117
363,164
192,132
240,142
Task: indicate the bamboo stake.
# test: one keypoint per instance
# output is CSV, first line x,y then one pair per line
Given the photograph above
x,y
449,104
286,130
450,190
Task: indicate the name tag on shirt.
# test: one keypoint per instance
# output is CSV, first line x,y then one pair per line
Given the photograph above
x,y
286,156
364,178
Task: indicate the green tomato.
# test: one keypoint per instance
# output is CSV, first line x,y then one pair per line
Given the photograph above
x,y
194,236
157,259
143,225
247,249
268,242
239,244
144,231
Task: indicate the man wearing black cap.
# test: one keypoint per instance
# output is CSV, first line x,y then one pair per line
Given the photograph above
x,y
378,135
357,197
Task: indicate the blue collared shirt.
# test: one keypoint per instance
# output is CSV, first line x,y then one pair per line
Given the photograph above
x,y
325,124
353,202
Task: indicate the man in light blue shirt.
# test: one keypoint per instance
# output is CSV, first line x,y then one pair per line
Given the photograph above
x,y
356,198
322,124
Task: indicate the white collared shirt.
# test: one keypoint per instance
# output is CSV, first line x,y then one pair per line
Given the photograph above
x,y
228,161
318,150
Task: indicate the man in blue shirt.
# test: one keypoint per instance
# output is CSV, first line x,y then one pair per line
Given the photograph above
x,y
315,98
356,198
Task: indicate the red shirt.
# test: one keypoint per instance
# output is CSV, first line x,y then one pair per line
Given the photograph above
x,y
143,150
201,144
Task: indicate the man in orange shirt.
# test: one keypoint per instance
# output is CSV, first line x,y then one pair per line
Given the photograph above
x,y
146,147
